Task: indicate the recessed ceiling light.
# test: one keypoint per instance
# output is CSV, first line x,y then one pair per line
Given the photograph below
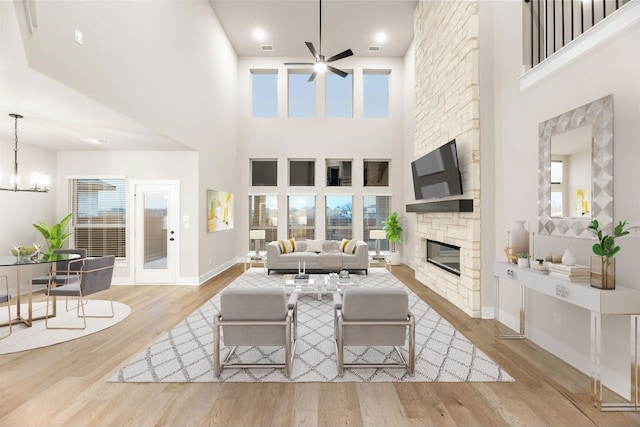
x,y
381,37
259,34
93,141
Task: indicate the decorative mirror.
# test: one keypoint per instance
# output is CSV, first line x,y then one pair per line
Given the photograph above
x,y
576,170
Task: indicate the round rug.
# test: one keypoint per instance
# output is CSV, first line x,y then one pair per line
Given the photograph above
x,y
24,338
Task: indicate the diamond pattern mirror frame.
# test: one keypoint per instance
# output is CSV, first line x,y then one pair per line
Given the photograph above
x,y
599,113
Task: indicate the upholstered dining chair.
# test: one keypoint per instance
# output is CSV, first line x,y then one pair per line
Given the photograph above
x,y
374,317
6,297
94,276
64,270
255,317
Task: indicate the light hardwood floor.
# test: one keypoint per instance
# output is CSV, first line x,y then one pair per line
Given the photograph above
x,y
66,384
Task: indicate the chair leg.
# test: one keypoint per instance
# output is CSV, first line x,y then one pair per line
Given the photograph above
x,y
412,345
113,313
6,283
340,348
80,307
216,347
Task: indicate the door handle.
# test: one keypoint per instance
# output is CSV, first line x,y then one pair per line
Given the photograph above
x,y
171,239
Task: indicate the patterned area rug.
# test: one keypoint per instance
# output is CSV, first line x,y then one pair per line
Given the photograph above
x,y
185,353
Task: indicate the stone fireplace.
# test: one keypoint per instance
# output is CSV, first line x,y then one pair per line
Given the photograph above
x,y
447,103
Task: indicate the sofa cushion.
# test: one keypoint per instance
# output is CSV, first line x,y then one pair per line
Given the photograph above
x,y
314,245
287,246
348,246
299,257
330,245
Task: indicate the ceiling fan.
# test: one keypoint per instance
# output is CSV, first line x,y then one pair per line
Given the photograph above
x,y
322,64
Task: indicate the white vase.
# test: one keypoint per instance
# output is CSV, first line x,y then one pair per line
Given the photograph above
x,y
394,258
523,262
520,239
568,258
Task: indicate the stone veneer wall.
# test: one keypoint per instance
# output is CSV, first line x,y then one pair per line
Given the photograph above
x,y
447,107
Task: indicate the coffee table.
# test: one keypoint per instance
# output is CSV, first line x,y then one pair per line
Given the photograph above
x,y
319,284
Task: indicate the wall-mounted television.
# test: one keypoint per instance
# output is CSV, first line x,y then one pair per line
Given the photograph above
x,y
436,174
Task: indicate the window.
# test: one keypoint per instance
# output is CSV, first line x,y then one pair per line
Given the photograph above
x,y
338,173
376,210
302,217
557,200
556,172
264,84
99,215
302,173
339,96
264,173
376,173
263,215
302,95
376,93
339,217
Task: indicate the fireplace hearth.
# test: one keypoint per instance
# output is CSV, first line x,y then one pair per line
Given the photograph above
x,y
444,256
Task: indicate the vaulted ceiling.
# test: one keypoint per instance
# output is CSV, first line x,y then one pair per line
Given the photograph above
x,y
58,118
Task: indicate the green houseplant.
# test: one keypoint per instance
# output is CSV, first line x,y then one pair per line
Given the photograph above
x,y
55,235
602,264
394,235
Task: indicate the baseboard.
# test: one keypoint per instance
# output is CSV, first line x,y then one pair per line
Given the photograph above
x,y
217,270
488,313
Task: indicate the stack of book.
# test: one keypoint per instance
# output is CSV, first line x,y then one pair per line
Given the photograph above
x,y
572,273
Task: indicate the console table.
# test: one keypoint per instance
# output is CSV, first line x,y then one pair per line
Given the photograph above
x,y
621,301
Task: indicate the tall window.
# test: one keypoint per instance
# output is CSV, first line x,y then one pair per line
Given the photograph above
x,y
264,173
376,173
339,95
339,217
302,95
99,215
264,93
376,212
302,217
263,215
376,93
302,173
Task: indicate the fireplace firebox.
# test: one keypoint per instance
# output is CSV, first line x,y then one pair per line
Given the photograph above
x,y
444,256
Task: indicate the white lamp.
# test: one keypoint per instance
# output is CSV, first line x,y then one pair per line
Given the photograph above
x,y
377,235
257,235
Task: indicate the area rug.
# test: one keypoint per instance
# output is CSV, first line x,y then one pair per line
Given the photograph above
x,y
24,338
185,353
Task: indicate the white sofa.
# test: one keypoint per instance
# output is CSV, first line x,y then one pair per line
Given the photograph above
x,y
329,259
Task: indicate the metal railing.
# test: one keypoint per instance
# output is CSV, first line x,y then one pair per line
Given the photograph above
x,y
551,24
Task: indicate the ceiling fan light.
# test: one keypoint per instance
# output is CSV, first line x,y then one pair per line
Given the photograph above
x,y
320,67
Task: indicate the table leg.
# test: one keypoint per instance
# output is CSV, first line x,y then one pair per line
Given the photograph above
x,y
596,335
496,315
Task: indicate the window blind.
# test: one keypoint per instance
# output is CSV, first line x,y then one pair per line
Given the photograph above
x,y
99,215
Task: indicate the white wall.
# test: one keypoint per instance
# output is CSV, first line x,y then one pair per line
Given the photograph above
x,y
609,69
148,165
319,138
409,225
167,65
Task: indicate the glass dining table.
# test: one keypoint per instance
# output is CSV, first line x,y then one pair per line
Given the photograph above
x,y
27,264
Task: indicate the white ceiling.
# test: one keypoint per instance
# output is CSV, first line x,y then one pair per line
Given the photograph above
x,y
57,118
346,24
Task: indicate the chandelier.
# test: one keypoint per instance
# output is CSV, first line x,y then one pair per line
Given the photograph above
x,y
39,182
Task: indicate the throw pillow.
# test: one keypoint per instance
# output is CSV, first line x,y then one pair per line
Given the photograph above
x,y
287,246
330,246
348,246
314,245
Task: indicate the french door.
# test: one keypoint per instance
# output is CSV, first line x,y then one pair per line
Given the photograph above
x,y
156,232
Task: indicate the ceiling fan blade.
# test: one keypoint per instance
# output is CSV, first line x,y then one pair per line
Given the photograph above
x,y
299,63
312,49
312,77
338,72
341,55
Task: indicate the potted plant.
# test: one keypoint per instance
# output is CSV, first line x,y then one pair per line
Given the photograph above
x,y
55,235
523,260
394,235
602,263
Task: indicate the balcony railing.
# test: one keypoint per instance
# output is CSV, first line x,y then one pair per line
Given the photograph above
x,y
551,24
